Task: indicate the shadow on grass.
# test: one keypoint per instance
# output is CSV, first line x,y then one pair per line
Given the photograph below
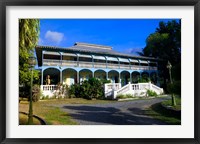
x,y
159,112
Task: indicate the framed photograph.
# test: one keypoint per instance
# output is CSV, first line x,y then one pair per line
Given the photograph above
x,y
99,71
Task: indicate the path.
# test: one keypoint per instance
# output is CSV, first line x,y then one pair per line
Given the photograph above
x,y
119,113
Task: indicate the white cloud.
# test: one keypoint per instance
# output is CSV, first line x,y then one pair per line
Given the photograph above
x,y
54,36
40,42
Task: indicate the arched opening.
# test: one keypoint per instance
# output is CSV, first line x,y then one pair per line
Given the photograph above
x,y
85,74
51,76
113,76
153,77
100,74
135,77
125,77
69,76
145,77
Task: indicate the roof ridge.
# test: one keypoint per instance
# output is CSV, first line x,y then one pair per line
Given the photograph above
x,y
92,45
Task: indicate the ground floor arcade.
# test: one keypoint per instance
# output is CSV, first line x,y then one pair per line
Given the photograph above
x,y
69,76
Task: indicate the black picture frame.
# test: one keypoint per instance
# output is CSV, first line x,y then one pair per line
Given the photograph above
x,y
5,3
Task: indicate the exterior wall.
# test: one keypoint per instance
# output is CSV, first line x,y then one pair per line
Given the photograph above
x,y
69,69
68,79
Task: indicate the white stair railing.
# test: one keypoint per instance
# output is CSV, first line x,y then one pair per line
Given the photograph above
x,y
123,89
139,88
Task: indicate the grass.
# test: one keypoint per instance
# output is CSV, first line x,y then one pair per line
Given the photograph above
x,y
23,120
122,96
169,103
158,112
53,115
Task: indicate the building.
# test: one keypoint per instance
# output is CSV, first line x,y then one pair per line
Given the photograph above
x,y
83,61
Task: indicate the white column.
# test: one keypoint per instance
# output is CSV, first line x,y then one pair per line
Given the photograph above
x,y
119,78
61,77
77,59
106,62
92,61
92,74
106,75
77,77
42,77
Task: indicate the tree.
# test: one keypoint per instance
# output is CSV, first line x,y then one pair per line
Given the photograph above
x,y
165,44
28,38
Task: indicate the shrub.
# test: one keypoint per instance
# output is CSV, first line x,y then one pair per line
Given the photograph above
x,y
88,89
24,91
74,91
96,88
151,93
175,87
104,81
45,97
129,96
143,80
122,96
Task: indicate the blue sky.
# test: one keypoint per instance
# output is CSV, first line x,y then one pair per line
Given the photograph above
x,y
124,35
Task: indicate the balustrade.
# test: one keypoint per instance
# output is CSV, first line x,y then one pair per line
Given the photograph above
x,y
49,87
49,62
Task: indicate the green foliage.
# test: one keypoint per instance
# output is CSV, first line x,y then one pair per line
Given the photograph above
x,y
45,97
158,112
88,89
104,81
74,91
143,80
165,44
122,96
151,93
174,88
169,103
28,38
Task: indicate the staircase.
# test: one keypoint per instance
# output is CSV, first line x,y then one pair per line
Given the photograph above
x,y
139,90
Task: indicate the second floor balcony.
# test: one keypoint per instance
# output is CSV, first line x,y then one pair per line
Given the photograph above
x,y
89,64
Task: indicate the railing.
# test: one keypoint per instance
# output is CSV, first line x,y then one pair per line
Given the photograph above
x,y
123,66
135,86
157,89
123,89
140,88
51,62
99,65
85,64
48,87
68,63
112,86
109,65
144,86
48,62
107,94
153,68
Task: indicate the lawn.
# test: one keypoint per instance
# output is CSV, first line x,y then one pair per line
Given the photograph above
x,y
169,103
158,112
23,119
53,115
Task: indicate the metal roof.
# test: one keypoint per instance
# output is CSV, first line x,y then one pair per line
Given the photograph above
x,y
83,48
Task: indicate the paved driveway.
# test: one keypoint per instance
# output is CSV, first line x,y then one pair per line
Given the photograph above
x,y
119,113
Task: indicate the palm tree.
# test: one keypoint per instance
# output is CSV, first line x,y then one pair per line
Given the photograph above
x,y
28,39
